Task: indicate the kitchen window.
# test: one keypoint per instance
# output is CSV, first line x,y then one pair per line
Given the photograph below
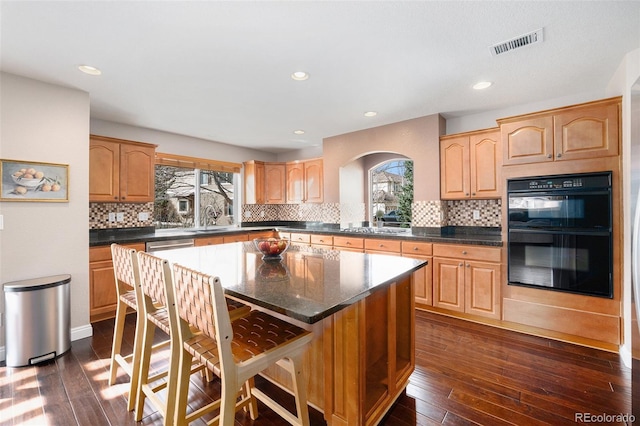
x,y
195,193
392,191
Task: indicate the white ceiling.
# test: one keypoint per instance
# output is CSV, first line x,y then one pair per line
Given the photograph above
x,y
221,70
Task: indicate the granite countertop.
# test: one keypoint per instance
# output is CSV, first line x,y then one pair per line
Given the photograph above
x,y
308,284
451,235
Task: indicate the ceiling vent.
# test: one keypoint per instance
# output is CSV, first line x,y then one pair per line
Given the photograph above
x,y
516,43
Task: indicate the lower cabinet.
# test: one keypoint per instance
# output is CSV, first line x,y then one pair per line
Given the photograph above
x,y
467,279
423,277
102,288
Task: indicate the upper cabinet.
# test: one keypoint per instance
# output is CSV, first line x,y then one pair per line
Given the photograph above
x,y
121,171
588,130
264,183
305,182
253,182
275,183
470,165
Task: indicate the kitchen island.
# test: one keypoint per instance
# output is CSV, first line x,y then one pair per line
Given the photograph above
x,y
359,306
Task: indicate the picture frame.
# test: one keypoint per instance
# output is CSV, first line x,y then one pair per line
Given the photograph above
x,y
34,181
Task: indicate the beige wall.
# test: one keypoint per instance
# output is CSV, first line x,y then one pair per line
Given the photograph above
x,y
417,139
46,123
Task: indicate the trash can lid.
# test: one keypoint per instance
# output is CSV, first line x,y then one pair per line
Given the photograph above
x,y
37,283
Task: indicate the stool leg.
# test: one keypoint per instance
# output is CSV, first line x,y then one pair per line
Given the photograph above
x,y
118,331
145,361
228,400
182,393
299,389
135,361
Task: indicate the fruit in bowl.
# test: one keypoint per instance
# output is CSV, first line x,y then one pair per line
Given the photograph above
x,y
271,248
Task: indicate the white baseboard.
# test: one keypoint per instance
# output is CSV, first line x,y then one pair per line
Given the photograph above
x,y
625,353
76,334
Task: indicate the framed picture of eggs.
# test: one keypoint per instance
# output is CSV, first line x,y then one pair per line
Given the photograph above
x,y
33,181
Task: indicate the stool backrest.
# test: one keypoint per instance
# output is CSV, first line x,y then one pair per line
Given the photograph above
x,y
200,301
153,277
125,268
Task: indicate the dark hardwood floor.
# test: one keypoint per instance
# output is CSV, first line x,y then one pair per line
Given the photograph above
x,y
465,373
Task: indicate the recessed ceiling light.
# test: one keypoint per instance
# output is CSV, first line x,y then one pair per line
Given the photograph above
x,y
482,85
370,114
299,132
88,69
300,75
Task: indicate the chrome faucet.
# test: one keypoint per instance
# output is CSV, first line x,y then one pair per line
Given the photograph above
x,y
206,215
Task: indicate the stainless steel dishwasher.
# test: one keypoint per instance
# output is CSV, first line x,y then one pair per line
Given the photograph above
x,y
155,246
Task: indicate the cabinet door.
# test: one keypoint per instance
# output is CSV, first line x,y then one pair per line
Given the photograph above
x,y
485,165
254,182
448,284
482,289
295,183
527,141
423,282
137,173
275,178
587,132
102,294
313,177
454,168
104,171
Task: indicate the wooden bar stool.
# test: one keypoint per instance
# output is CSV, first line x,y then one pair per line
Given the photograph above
x,y
127,281
237,350
158,309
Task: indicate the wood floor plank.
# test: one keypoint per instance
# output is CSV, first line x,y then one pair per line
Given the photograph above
x,y
466,374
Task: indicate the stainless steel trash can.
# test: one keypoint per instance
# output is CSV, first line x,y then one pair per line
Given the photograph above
x,y
38,326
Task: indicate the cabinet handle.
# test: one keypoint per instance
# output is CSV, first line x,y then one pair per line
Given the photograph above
x,y
464,252
460,264
466,194
468,266
381,245
559,154
415,248
473,193
115,198
348,243
123,198
549,155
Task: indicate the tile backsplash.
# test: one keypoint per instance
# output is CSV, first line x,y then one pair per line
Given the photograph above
x,y
99,215
435,213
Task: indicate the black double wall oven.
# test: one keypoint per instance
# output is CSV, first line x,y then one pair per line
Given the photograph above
x,y
560,233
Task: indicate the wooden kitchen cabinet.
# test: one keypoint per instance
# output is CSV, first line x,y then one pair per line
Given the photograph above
x,y
423,277
275,183
121,171
470,165
467,279
264,183
103,297
589,130
254,182
304,182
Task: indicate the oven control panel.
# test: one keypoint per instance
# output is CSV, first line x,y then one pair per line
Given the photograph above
x,y
565,182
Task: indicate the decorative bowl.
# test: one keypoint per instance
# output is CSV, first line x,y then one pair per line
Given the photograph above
x,y
27,182
271,248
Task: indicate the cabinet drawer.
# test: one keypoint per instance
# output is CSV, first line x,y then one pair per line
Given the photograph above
x,y
375,244
348,242
419,249
300,238
235,238
100,253
323,240
487,254
208,241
